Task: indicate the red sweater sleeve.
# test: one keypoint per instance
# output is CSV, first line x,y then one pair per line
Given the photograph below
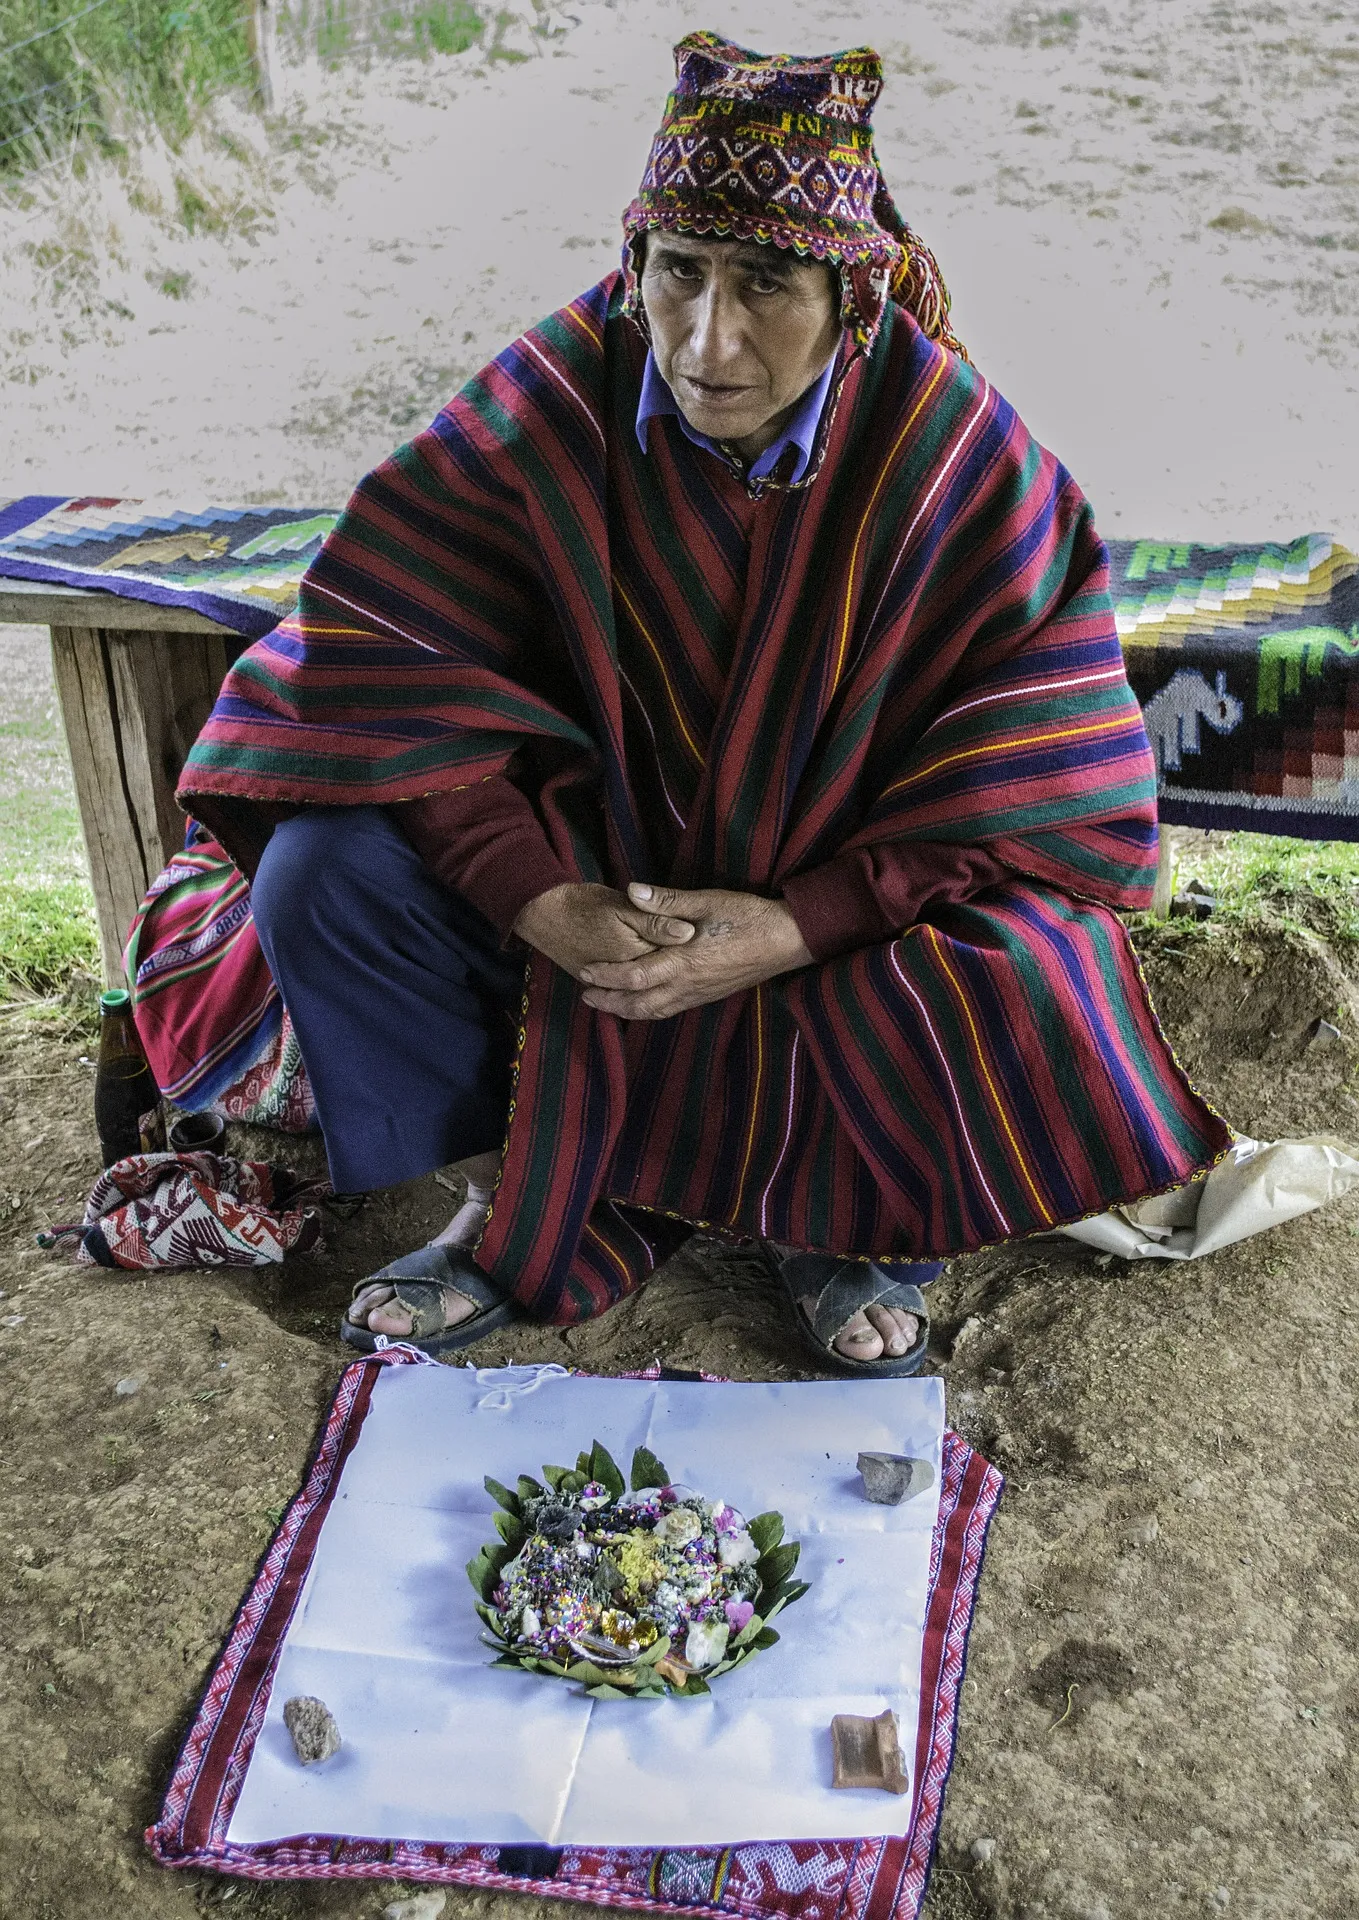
x,y
486,843
868,894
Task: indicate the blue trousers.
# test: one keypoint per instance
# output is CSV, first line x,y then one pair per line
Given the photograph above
x,y
405,1005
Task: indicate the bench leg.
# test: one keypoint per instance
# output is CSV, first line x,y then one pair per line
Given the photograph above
x,y
131,704
1165,877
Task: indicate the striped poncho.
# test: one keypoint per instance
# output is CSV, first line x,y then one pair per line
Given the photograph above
x,y
925,651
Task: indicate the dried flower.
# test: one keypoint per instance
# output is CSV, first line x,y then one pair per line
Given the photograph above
x,y
678,1527
706,1642
737,1549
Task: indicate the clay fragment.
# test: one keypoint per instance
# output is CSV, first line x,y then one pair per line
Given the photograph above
x,y
890,1478
312,1725
868,1752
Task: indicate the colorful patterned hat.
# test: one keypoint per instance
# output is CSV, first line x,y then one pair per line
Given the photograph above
x,y
779,149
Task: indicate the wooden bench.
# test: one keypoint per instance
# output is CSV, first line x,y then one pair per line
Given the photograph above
x,y
135,682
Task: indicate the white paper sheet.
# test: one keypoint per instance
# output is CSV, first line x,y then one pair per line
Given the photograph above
x,y
441,1746
1258,1185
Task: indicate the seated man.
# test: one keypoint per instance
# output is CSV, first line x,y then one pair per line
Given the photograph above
x,y
695,783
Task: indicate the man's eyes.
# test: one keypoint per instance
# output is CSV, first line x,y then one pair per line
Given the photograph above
x,y
689,274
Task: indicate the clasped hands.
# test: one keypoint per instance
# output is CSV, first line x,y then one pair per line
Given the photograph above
x,y
656,951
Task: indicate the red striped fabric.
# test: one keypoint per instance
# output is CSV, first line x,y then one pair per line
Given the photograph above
x,y
711,688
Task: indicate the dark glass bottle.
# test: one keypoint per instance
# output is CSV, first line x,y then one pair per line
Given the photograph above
x,y
125,1092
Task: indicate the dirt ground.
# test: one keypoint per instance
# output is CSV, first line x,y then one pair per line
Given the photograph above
x,y
1163,1692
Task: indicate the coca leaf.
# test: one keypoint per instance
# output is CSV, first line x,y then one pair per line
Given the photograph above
x,y
604,1471
501,1495
647,1470
766,1530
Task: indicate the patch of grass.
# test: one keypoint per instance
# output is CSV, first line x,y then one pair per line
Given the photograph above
x,y
70,70
1306,885
47,934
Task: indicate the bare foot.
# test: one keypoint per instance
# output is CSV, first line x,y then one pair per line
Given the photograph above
x,y
870,1334
376,1308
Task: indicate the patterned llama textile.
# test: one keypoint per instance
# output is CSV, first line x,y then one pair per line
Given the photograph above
x,y
879,1879
1246,664
215,1030
926,650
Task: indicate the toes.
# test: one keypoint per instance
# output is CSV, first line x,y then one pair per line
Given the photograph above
x,y
859,1339
368,1301
899,1330
392,1319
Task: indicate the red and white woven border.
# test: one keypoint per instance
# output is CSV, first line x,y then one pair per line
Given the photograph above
x,y
881,1879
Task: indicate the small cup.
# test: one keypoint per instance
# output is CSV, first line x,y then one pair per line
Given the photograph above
x,y
197,1133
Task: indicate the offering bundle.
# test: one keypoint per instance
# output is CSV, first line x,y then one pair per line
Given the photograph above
x,y
633,1592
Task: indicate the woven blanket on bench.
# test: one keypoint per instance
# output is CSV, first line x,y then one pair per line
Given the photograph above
x,y
1245,658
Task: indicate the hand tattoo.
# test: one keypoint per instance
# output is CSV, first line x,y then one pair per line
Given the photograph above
x,y
716,929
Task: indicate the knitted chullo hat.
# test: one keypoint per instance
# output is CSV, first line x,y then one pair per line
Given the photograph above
x,y
779,149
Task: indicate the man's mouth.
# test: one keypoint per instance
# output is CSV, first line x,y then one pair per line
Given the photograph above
x,y
715,393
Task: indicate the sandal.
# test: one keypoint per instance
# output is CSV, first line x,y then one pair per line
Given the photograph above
x,y
843,1288
418,1280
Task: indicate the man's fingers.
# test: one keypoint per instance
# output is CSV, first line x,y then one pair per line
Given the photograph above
x,y
669,902
629,976
657,929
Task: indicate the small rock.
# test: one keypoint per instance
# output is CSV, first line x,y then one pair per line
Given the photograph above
x,y
428,1904
1194,903
312,1726
867,1753
1321,1034
1196,1490
890,1478
1221,1897
982,1851
1142,1531
129,1384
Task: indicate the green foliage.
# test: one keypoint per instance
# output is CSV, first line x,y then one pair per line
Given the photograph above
x,y
47,933
502,1495
604,1470
647,1470
1310,885
766,1530
79,80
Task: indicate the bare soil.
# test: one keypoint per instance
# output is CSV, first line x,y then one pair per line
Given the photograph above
x,y
1163,1690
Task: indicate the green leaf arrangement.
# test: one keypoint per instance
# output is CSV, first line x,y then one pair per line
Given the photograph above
x,y
581,1505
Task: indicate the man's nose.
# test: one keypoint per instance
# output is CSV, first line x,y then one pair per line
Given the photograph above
x,y
717,339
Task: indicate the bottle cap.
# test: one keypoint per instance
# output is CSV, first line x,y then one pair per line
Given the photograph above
x,y
116,1000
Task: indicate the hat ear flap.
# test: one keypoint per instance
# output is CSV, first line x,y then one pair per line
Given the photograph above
x,y
917,283
634,251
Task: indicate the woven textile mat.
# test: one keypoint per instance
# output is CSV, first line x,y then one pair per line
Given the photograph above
x,y
638,1771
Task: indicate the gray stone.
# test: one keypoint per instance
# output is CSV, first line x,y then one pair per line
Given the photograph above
x,y
129,1384
312,1726
983,1851
890,1478
428,1904
1321,1034
1142,1531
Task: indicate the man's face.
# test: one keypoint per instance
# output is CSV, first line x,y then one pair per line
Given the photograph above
x,y
739,332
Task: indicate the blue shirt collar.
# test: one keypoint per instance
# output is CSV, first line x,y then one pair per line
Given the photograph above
x,y
657,400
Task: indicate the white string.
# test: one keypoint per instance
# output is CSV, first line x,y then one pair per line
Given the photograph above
x,y
504,1392
383,1343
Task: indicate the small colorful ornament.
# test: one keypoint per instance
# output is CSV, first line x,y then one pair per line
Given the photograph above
x,y
634,1592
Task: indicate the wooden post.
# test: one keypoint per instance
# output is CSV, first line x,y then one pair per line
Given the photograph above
x,y
262,30
132,703
1165,877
